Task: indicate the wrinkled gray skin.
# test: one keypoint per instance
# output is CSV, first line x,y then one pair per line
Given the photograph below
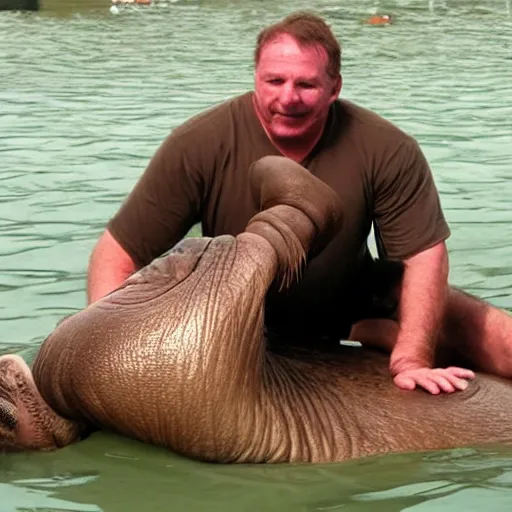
x,y
177,357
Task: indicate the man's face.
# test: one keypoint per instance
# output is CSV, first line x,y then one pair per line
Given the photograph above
x,y
293,91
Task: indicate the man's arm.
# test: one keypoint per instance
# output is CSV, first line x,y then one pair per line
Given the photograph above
x,y
109,266
422,305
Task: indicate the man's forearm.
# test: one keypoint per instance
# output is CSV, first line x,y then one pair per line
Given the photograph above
x,y
109,267
422,304
102,280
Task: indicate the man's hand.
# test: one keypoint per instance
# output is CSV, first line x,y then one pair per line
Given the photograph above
x,y
434,380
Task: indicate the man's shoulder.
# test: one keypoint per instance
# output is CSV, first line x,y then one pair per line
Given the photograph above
x,y
378,147
215,119
367,124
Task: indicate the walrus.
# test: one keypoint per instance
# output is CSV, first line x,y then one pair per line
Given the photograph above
x,y
178,357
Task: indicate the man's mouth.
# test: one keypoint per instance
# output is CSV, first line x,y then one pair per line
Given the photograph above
x,y
291,115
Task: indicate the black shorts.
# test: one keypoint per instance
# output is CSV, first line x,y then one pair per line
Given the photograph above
x,y
376,294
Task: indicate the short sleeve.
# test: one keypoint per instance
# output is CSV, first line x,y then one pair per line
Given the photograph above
x,y
164,204
407,207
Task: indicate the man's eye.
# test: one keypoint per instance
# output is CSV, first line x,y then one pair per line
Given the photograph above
x,y
306,85
275,81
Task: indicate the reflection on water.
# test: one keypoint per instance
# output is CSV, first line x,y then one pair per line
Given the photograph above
x,y
28,498
112,474
86,97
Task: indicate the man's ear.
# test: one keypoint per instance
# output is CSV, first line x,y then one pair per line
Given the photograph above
x,y
336,89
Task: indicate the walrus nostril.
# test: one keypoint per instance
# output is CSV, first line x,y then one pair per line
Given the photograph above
x,y
8,416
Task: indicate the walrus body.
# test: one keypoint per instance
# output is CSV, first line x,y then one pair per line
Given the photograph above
x,y
177,357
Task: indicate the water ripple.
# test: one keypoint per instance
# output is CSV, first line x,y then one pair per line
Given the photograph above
x,y
87,97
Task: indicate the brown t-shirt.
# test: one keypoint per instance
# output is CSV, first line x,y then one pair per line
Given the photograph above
x,y
200,174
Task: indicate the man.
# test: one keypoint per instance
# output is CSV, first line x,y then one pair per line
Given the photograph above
x,y
199,174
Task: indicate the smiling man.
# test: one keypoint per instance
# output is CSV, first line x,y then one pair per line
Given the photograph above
x,y
294,88
200,174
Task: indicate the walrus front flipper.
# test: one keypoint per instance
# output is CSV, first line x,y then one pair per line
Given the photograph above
x,y
26,420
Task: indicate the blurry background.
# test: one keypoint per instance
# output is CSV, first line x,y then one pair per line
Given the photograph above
x,y
86,97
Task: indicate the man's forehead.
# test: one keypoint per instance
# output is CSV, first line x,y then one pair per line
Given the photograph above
x,y
285,45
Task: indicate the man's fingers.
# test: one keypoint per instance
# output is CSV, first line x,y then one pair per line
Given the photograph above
x,y
435,380
429,384
409,383
462,373
446,384
458,377
404,382
460,384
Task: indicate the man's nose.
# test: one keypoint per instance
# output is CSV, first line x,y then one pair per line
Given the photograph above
x,y
289,94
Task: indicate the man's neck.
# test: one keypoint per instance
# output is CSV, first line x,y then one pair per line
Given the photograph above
x,y
296,150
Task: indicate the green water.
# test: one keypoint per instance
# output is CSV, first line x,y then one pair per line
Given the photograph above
x,y
86,96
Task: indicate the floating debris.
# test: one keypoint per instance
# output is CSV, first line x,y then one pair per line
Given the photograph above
x,y
379,19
